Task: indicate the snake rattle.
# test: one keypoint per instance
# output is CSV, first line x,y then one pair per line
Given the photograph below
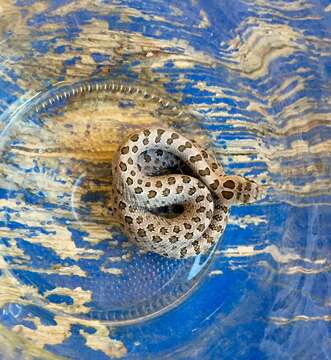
x,y
143,182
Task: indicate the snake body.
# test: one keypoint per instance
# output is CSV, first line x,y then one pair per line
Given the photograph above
x,y
148,175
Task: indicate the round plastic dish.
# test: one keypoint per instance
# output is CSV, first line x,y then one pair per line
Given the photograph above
x,y
56,151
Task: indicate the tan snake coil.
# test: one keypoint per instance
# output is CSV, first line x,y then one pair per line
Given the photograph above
x,y
142,183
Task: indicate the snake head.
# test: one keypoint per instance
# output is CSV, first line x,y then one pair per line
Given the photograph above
x,y
236,189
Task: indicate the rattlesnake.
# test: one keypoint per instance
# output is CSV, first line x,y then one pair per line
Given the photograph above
x,y
143,182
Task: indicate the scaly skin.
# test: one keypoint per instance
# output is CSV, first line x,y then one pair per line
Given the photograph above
x,y
141,183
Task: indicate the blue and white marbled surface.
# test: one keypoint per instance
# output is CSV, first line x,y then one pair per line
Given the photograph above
x,y
259,72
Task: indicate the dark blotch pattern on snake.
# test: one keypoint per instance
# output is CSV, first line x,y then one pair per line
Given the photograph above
x,y
143,182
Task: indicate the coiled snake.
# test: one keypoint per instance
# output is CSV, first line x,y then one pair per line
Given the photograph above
x,y
143,182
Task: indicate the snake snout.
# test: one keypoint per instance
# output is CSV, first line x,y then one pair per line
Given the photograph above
x,y
252,192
